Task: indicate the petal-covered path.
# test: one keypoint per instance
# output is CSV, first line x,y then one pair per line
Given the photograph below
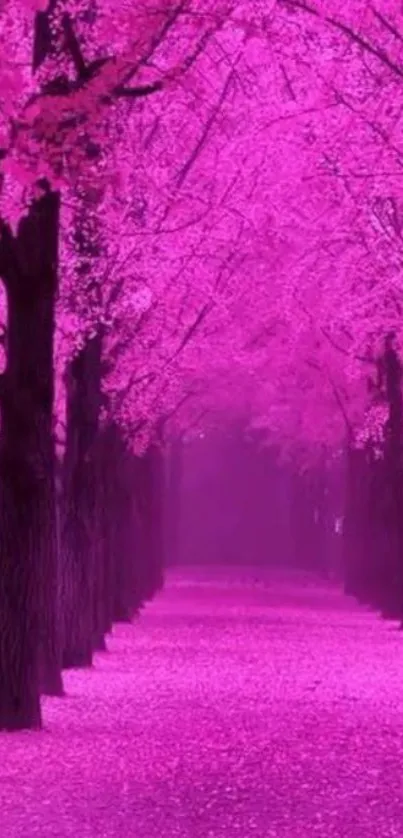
x,y
237,705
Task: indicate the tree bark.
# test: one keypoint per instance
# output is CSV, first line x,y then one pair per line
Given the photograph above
x,y
172,504
79,531
394,477
355,530
100,618
29,643
149,488
126,544
105,610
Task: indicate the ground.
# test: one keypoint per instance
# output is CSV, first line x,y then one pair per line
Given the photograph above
x,y
238,705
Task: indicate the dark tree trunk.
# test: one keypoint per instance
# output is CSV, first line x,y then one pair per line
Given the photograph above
x,y
157,553
105,463
355,519
50,644
375,541
126,545
29,647
394,477
79,530
108,500
373,528
108,462
303,521
149,490
137,533
319,523
172,505
126,600
100,620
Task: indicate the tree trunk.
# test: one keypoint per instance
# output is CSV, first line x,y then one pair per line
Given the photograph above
x,y
126,598
29,648
394,476
99,563
105,613
303,520
50,642
126,547
355,530
80,505
110,462
172,504
149,489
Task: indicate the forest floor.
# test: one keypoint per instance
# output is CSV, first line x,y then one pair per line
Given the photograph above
x,y
240,704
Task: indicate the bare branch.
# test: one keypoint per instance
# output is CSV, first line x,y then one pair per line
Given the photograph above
x,y
186,168
191,330
73,47
9,263
340,404
156,41
386,23
365,359
124,392
165,418
375,51
138,92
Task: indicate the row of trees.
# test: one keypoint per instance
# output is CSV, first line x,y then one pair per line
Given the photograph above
x,y
347,346
80,509
186,234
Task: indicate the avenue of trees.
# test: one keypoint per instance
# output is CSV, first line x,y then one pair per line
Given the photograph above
x,y
199,219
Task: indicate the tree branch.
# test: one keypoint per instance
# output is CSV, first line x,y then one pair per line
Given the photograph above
x,y
204,135
376,52
165,418
340,405
191,330
156,41
73,47
137,92
386,23
8,257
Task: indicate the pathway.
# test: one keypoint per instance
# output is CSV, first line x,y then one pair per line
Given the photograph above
x,y
238,705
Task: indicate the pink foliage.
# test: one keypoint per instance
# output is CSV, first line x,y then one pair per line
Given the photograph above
x,y
249,207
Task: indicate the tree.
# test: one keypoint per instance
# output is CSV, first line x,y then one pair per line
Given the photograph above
x,y
63,114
